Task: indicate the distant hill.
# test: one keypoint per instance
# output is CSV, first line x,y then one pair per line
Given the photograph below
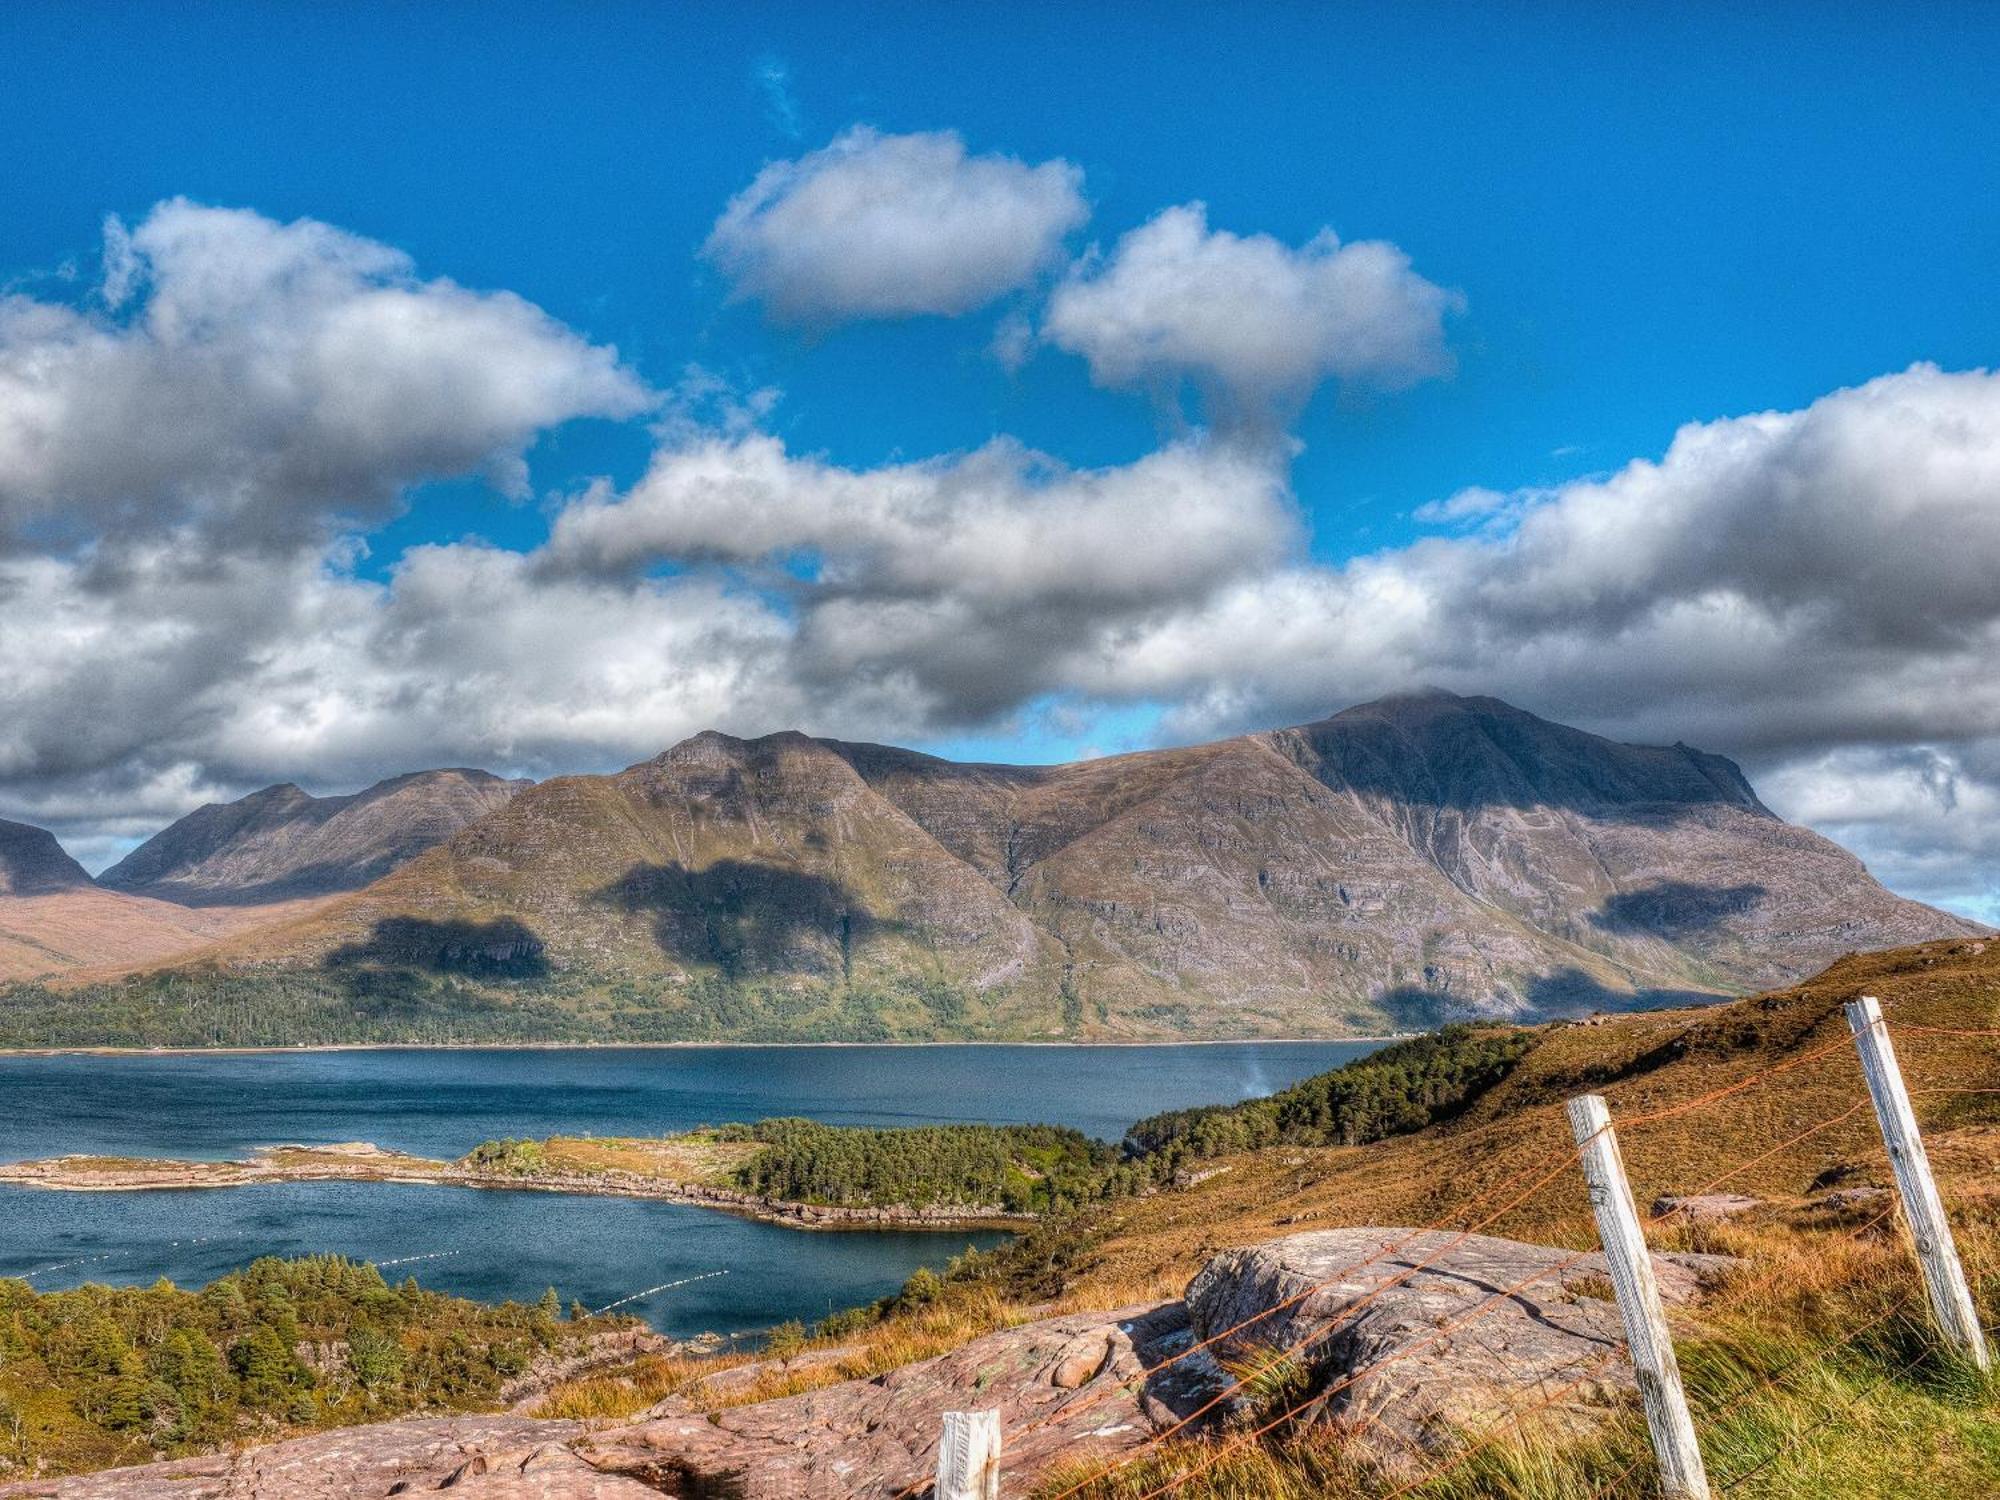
x,y
1400,863
32,863
280,843
55,920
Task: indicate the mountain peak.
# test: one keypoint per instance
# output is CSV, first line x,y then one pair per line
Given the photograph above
x,y
711,747
33,863
281,842
1434,748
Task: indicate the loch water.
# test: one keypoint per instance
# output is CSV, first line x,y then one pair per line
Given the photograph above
x,y
494,1243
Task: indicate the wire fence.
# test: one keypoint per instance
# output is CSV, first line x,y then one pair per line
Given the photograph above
x,y
1192,1455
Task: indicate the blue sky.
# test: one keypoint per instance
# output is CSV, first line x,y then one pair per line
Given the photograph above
x,y
1655,219
1643,221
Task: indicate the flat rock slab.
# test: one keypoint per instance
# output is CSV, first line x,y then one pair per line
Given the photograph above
x,y
1085,1384
348,1461
1412,1336
1705,1208
1088,1383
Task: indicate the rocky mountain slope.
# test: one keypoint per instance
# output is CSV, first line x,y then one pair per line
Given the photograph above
x,y
280,843
1401,861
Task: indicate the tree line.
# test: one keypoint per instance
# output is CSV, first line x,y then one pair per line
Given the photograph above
x,y
1016,1168
98,1376
1046,1169
1401,1088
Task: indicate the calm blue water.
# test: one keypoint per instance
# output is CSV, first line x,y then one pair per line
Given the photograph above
x,y
493,1244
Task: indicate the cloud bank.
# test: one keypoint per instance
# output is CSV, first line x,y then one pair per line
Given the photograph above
x,y
265,376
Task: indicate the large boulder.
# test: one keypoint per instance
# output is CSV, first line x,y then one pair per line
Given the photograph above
x,y
1418,1337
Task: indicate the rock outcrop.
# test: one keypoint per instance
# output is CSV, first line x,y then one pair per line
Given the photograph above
x,y
1413,1337
858,1438
1406,1337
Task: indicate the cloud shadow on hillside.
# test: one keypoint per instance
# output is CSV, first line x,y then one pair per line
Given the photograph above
x,y
503,948
1561,992
1674,909
1572,992
745,918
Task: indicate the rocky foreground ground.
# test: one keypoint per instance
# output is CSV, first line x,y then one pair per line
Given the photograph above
x,y
1449,1330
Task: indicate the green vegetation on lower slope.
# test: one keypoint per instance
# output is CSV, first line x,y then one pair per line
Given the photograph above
x,y
344,1006
99,1375
1401,1088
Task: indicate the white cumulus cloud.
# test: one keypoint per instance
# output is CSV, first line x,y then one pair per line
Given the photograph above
x,y
959,580
265,375
1250,320
893,226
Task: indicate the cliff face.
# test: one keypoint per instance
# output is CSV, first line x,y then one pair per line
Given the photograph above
x,y
280,843
1403,861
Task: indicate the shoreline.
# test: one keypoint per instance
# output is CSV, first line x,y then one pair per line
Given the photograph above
x,y
295,1047
358,1162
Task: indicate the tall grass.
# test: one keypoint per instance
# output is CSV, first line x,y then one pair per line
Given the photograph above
x,y
909,1333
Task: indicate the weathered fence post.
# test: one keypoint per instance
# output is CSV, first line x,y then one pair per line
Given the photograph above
x,y
1951,1298
1682,1476
968,1466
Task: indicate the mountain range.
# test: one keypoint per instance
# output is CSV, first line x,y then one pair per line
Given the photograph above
x,y
1399,863
280,843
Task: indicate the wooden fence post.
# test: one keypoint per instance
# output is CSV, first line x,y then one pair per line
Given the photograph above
x,y
1951,1298
1682,1476
968,1466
